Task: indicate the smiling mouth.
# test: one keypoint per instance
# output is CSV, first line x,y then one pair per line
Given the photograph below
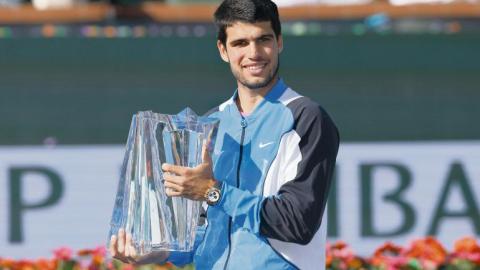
x,y
255,67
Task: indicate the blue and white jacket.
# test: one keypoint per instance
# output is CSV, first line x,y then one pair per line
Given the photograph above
x,y
276,167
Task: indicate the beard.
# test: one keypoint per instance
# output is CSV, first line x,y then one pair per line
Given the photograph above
x,y
259,84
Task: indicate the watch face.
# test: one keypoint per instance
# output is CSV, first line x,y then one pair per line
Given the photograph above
x,y
213,196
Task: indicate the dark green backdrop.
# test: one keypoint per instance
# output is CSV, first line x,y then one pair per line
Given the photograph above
x,y
376,87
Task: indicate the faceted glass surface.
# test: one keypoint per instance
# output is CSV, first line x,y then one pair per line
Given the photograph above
x,y
156,221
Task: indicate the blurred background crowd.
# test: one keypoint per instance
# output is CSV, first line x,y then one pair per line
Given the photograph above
x,y
47,4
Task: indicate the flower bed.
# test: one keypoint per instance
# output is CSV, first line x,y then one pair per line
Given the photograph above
x,y
425,253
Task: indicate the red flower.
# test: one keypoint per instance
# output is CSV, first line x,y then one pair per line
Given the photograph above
x,y
84,252
339,245
466,244
428,251
340,250
6,263
388,249
44,264
467,248
389,256
24,265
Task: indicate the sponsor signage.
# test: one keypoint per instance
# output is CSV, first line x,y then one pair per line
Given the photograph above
x,y
400,191
63,196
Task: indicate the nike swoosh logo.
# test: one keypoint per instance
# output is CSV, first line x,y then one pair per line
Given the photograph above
x,y
262,145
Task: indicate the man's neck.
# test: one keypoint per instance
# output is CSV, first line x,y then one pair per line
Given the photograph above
x,y
248,99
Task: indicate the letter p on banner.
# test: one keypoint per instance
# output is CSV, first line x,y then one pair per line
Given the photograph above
x,y
18,204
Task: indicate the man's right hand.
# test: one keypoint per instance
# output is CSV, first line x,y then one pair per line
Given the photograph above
x,y
122,248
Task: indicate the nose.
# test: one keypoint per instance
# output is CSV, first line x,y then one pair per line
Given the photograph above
x,y
254,50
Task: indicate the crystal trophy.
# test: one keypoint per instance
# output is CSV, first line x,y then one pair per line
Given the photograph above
x,y
156,221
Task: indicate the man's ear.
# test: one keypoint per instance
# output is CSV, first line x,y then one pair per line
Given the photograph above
x,y
223,51
280,43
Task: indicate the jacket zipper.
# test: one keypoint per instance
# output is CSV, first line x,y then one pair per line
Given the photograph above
x,y
243,123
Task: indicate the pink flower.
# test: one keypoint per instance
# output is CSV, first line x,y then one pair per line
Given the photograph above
x,y
340,250
100,251
63,253
473,257
345,253
396,262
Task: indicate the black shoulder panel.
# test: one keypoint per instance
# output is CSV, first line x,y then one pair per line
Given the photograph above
x,y
295,214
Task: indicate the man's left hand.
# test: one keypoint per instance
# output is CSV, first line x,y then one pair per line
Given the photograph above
x,y
191,183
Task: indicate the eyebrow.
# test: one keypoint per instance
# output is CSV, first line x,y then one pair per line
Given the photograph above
x,y
256,38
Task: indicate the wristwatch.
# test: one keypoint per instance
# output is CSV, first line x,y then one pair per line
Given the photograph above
x,y
213,194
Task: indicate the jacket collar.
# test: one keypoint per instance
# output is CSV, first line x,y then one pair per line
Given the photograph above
x,y
272,97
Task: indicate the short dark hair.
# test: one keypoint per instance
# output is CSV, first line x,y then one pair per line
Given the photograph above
x,y
250,11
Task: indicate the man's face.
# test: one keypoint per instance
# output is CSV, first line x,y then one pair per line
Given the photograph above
x,y
252,50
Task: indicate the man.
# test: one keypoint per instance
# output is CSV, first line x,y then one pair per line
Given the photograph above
x,y
273,161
